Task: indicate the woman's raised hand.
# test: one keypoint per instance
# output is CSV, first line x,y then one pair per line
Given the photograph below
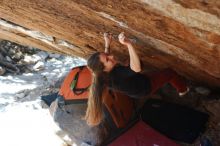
x,y
123,40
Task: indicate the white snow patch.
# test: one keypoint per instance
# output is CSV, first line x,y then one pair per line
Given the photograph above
x,y
26,123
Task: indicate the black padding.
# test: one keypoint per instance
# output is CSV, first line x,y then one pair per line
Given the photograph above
x,y
175,121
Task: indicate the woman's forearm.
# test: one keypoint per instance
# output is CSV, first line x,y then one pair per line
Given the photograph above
x,y
107,47
135,63
107,38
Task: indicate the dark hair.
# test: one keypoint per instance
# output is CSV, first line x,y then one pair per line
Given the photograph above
x,y
94,112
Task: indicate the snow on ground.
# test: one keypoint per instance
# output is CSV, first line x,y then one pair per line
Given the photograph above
x,y
23,122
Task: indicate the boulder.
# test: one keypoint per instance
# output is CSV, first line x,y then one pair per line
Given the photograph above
x,y
70,119
180,34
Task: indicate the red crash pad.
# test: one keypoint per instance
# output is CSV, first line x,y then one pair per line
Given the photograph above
x,y
142,135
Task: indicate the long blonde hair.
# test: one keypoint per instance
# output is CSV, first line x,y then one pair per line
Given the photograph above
x,y
94,112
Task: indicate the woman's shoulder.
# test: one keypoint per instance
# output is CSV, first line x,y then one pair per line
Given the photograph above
x,y
119,67
122,71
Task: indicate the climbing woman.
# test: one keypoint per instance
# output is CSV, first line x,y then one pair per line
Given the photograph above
x,y
107,72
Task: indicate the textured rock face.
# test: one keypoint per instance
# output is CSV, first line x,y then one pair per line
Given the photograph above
x,y
181,34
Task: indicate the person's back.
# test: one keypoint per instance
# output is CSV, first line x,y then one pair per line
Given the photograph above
x,y
123,79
